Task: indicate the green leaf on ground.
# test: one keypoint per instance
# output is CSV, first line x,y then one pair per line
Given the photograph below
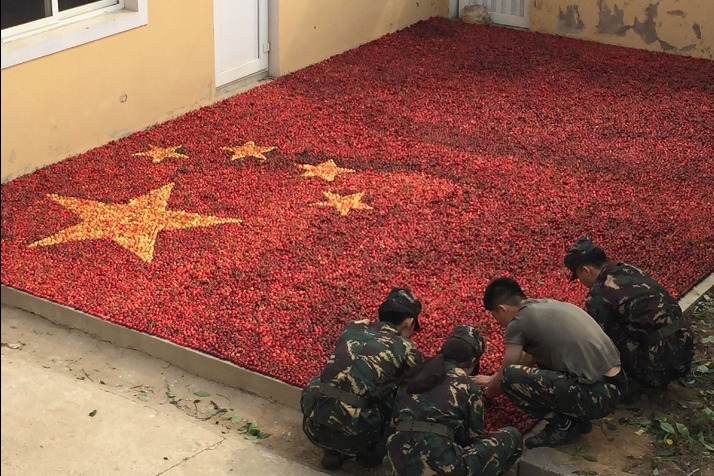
x,y
247,427
235,419
258,436
682,429
708,340
92,413
611,426
666,427
589,457
201,393
665,453
703,369
701,440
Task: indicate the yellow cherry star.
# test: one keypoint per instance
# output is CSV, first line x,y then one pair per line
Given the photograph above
x,y
158,154
344,204
326,170
249,149
133,226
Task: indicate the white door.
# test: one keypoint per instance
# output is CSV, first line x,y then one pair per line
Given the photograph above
x,y
503,12
241,36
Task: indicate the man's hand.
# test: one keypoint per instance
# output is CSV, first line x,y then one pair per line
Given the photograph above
x,y
492,392
482,381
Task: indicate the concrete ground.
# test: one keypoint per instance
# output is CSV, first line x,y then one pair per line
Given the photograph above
x,y
73,404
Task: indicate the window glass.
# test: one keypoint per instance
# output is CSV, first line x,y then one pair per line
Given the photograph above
x,y
67,4
18,12
27,13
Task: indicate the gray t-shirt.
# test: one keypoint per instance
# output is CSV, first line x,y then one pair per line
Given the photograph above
x,y
563,337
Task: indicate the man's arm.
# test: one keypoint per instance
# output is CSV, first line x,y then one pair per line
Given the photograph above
x,y
512,355
600,306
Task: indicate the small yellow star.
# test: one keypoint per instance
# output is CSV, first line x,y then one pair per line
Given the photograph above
x,y
133,226
249,149
326,170
344,204
158,154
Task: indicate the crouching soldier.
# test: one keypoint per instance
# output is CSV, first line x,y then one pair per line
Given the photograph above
x,y
347,407
578,377
439,427
639,315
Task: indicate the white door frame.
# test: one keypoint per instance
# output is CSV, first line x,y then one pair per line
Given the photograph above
x,y
240,52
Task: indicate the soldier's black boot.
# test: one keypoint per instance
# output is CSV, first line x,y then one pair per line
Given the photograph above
x,y
371,458
586,426
556,433
631,393
332,460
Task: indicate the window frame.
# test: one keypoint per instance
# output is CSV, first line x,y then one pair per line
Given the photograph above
x,y
70,30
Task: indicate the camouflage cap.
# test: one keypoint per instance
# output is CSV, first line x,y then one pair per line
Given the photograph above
x,y
471,336
579,253
403,302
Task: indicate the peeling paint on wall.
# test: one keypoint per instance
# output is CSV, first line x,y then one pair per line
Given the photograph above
x,y
697,30
647,28
569,20
612,22
675,26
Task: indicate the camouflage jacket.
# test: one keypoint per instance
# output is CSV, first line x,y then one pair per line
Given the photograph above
x,y
629,304
457,403
367,360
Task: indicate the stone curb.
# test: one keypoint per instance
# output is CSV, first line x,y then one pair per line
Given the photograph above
x,y
190,360
535,462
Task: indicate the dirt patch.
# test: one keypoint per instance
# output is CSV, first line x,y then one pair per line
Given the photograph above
x,y
663,433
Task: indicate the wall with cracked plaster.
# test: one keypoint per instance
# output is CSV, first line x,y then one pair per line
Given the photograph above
x,y
683,27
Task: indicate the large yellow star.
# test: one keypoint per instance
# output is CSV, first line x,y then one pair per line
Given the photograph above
x,y
158,154
344,204
249,149
133,226
326,170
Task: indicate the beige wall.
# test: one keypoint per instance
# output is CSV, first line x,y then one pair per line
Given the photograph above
x,y
69,102
304,32
675,26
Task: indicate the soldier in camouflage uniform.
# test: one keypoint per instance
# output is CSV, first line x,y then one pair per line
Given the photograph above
x,y
577,376
637,312
347,407
439,427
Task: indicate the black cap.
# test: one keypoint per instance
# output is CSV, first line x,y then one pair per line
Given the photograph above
x,y
403,303
471,336
579,253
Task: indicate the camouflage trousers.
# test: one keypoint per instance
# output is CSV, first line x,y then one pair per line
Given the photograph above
x,y
332,425
416,454
658,365
322,436
539,392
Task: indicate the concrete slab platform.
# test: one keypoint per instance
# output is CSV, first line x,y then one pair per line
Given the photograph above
x,y
66,427
72,404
